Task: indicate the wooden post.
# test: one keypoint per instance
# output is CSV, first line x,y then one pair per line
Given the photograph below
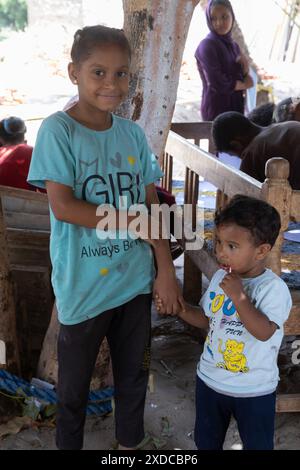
x,y
192,276
48,366
276,191
8,332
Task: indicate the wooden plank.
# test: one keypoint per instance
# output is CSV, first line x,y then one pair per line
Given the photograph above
x,y
13,204
288,403
24,220
295,206
192,281
228,179
24,236
22,193
193,130
2,354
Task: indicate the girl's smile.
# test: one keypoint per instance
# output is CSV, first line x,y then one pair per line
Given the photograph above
x,y
103,83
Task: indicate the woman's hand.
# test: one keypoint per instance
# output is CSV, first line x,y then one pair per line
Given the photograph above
x,y
242,59
247,83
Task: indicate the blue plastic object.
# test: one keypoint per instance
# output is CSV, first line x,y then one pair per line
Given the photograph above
x,y
99,400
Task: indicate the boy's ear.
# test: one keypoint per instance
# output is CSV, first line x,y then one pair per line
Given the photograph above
x,y
72,73
237,147
263,250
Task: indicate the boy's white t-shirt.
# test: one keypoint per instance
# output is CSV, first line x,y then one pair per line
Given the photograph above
x,y
233,361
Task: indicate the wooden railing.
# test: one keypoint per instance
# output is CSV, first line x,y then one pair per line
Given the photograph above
x,y
230,181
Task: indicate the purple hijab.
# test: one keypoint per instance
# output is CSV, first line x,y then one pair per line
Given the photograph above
x,y
226,3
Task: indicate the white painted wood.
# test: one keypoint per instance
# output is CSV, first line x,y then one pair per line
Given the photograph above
x,y
2,353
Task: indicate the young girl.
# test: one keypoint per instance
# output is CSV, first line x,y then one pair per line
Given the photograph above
x,y
224,71
88,157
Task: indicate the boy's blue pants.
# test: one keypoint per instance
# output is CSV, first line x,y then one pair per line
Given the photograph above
x,y
254,416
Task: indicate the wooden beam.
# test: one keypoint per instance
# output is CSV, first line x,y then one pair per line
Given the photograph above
x,y
288,403
295,205
226,178
22,193
2,355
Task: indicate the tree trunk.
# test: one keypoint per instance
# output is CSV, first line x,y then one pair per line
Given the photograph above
x,y
157,31
8,332
48,366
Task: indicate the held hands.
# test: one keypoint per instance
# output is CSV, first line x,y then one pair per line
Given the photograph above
x,y
167,296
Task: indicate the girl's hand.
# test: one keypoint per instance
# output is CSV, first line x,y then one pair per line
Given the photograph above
x,y
166,290
143,229
233,287
159,304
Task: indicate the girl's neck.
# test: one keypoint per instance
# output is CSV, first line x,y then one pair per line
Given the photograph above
x,y
95,120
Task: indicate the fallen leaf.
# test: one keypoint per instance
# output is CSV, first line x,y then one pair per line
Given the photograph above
x,y
15,425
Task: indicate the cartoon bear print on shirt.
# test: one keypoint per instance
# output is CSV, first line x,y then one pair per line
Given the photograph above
x,y
234,359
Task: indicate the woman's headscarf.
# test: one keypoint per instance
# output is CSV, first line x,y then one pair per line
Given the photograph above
x,y
226,3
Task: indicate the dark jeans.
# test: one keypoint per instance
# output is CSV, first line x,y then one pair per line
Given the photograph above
x,y
254,415
128,331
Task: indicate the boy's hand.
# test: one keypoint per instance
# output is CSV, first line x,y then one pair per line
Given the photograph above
x,y
232,286
159,304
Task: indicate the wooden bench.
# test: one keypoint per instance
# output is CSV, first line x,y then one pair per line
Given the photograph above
x,y
229,181
26,296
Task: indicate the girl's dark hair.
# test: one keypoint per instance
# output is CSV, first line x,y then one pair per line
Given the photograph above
x,y
260,218
86,39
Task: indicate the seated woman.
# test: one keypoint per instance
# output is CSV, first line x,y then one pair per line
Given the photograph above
x,y
15,154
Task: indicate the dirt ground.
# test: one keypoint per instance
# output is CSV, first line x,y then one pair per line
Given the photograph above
x,y
169,411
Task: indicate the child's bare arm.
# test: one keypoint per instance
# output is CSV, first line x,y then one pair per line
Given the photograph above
x,y
194,316
165,284
67,208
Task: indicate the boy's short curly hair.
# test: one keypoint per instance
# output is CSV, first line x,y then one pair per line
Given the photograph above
x,y
260,218
89,37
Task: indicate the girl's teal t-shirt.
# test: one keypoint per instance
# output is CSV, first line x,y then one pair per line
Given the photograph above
x,y
91,275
